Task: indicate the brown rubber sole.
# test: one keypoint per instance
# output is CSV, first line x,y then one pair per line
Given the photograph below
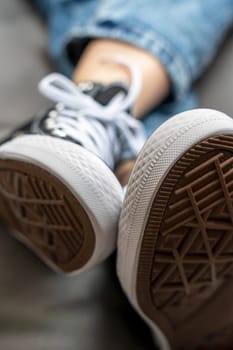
x,y
185,272
43,213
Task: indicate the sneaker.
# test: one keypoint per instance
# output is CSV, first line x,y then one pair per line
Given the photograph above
x,y
58,193
175,247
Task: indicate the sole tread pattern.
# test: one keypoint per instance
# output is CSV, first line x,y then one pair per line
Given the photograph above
x,y
187,248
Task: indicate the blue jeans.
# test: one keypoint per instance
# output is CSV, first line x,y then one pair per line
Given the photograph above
x,y
183,34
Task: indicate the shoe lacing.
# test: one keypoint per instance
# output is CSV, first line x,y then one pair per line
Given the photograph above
x,y
104,130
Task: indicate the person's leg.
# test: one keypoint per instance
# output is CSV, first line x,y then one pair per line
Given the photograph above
x,y
94,66
178,49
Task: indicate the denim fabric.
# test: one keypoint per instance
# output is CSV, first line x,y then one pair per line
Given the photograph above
x,y
183,34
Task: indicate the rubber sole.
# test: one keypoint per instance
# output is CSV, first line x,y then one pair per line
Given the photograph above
x,y
185,269
43,213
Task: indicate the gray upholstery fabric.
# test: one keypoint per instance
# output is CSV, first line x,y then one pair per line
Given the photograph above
x,y
40,310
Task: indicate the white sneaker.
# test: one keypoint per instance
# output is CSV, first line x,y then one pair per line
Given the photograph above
x,y
175,247
58,194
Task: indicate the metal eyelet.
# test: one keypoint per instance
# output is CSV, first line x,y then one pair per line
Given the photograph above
x,y
58,132
53,114
86,86
59,107
50,124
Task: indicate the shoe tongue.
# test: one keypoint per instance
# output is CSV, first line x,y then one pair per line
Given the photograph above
x,y
103,93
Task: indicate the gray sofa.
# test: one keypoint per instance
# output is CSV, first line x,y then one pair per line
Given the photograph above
x,y
38,309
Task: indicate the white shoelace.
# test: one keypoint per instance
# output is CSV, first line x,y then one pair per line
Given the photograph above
x,y
94,126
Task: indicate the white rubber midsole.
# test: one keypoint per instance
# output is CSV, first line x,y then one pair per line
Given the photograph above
x,y
158,156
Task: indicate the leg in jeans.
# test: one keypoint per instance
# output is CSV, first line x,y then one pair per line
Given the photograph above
x,y
180,35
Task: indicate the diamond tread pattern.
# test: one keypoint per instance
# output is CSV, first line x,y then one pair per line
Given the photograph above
x,y
45,215
187,247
